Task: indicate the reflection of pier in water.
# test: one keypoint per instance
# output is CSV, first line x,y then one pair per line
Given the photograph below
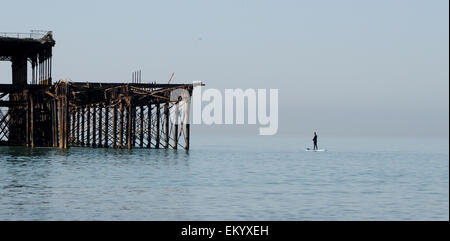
x,y
64,114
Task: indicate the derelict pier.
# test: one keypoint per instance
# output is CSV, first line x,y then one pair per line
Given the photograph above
x,y
41,113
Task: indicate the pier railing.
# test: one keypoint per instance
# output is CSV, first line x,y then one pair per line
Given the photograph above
x,y
31,35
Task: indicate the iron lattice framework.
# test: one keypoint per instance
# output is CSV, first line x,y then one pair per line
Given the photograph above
x,y
69,114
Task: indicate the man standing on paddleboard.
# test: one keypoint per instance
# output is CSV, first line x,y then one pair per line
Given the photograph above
x,y
315,141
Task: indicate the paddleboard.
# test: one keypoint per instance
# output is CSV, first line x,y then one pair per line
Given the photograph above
x,y
318,150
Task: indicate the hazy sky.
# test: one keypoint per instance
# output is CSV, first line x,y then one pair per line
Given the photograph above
x,y
342,67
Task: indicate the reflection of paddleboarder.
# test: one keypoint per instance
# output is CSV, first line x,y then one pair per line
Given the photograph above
x,y
315,141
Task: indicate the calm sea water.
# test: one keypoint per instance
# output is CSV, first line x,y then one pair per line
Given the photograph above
x,y
231,178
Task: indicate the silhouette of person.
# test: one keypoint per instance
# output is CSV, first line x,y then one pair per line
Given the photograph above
x,y
315,141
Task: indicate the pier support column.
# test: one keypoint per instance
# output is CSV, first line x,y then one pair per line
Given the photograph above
x,y
27,121
105,144
133,129
88,122
166,125
54,124
61,123
158,123
73,133
141,128
149,125
114,127
100,140
78,125
129,126
94,126
63,114
187,115
121,125
175,130
82,126
66,119
32,126
188,133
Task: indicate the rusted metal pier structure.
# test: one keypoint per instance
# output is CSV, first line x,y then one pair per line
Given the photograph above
x,y
73,114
